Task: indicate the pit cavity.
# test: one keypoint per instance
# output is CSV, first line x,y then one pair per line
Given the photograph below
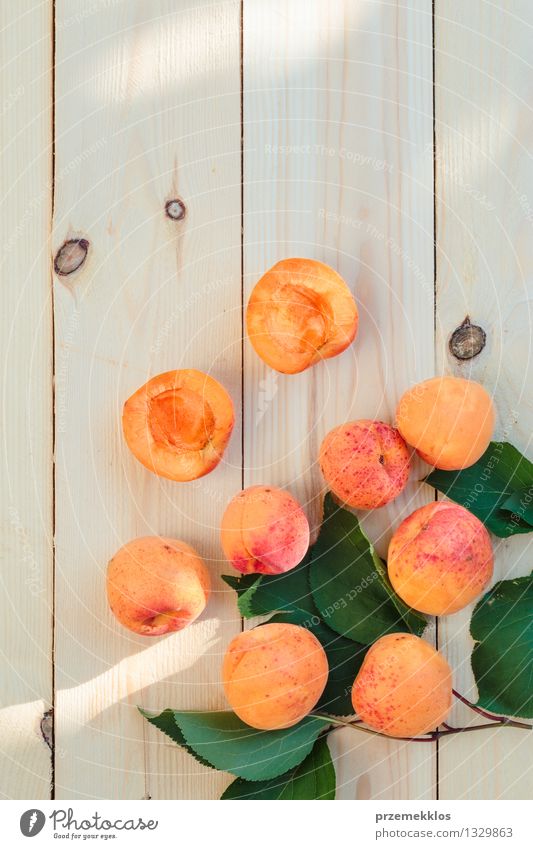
x,y
181,420
299,319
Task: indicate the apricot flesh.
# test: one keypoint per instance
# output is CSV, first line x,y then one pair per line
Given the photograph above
x,y
299,312
178,424
157,585
448,420
264,530
440,558
404,687
365,463
274,675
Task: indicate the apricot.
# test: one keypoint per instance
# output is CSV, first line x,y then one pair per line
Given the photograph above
x,y
365,463
265,530
178,424
404,687
440,558
300,311
449,420
274,675
157,585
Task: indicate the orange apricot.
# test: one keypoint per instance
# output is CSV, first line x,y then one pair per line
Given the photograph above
x,y
274,675
449,420
157,585
178,424
265,530
404,687
300,311
440,558
365,463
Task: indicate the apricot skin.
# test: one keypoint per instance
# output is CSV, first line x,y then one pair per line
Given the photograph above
x,y
299,312
448,420
440,558
178,424
157,585
404,687
264,530
365,463
274,675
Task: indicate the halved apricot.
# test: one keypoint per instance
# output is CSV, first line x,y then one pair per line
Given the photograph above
x,y
300,312
178,424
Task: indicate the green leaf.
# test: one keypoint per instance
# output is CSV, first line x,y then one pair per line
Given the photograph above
x,y
521,504
349,584
488,489
260,594
166,723
245,586
502,659
221,740
314,778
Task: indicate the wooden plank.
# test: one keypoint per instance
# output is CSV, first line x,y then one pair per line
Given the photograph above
x,y
484,263
26,334
147,109
338,167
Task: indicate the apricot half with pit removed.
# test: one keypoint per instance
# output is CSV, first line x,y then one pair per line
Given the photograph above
x,y
301,311
178,424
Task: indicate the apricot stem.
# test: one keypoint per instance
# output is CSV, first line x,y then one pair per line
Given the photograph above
x,y
430,738
475,708
494,717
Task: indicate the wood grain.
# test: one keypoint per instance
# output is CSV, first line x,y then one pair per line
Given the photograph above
x,y
484,202
147,110
338,167
26,346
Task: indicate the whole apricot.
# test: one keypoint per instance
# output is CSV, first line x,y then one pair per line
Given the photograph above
x,y
440,558
300,311
365,463
157,585
449,420
178,424
404,687
265,530
274,675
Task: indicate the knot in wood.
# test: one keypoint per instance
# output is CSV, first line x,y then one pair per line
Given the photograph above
x,y
467,340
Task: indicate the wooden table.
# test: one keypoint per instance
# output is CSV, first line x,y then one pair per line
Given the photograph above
x,y
334,130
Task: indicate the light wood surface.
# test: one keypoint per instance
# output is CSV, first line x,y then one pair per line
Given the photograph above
x,y
338,167
287,128
484,197
149,95
27,431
